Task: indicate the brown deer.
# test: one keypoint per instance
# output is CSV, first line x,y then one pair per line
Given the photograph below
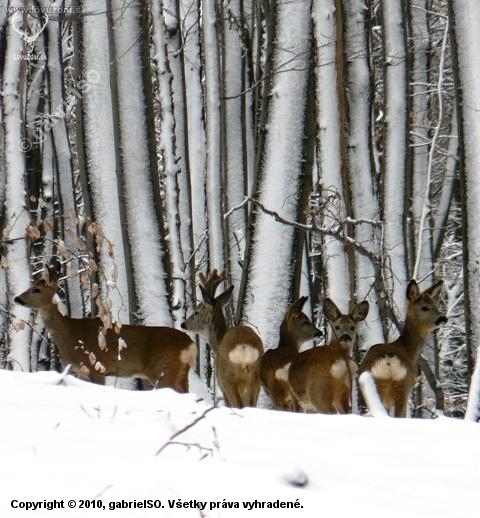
x,y
161,355
237,349
391,365
322,377
296,329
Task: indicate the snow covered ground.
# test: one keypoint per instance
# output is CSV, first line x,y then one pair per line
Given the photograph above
x,y
74,441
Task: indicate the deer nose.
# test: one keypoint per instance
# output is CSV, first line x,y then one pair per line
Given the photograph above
x,y
18,300
345,338
441,320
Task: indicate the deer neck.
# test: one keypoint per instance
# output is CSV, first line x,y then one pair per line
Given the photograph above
x,y
412,339
217,330
55,322
287,339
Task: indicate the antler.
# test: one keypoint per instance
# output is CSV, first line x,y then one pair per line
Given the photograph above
x,y
211,281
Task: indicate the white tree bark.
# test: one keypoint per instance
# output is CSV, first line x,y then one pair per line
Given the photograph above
x,y
100,147
394,160
329,144
215,203
270,269
16,216
365,203
142,224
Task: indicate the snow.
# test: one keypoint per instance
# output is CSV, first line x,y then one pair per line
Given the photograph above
x,y
77,440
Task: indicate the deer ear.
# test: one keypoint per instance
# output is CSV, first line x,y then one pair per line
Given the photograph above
x,y
434,291
297,306
52,272
360,311
330,310
224,297
413,293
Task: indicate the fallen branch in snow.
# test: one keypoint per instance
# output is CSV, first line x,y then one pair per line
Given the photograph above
x,y
185,429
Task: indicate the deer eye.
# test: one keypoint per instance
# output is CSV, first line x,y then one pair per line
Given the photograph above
x,y
337,328
424,308
36,290
352,329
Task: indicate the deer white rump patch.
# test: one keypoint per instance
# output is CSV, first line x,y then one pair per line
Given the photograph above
x,y
282,373
243,353
389,367
339,369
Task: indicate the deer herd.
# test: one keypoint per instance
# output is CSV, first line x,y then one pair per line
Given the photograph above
x,y
319,379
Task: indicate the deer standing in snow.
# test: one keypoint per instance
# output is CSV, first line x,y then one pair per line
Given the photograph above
x,y
161,355
296,329
322,377
237,349
391,365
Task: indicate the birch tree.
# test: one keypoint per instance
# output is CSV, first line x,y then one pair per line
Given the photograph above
x,y
395,146
143,225
467,18
16,219
270,271
98,135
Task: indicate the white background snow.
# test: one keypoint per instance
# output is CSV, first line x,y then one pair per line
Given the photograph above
x,y
75,440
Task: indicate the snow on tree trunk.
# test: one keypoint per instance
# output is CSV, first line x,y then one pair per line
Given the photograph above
x,y
365,203
16,215
235,132
467,20
100,151
65,196
330,159
143,226
177,216
214,131
421,231
190,15
394,160
269,282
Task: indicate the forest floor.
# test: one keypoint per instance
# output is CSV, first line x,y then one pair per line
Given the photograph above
x,y
101,451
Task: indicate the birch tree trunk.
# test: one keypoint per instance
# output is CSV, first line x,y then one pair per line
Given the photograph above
x,y
16,218
102,162
330,157
394,160
364,194
236,175
214,187
174,165
142,222
193,71
467,20
270,269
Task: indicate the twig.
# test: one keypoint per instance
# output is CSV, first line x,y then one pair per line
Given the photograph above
x,y
185,429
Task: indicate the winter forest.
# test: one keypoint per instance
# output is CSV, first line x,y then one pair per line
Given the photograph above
x,y
326,148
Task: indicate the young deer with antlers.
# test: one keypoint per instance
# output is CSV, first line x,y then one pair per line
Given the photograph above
x,y
391,365
161,355
322,377
237,349
296,329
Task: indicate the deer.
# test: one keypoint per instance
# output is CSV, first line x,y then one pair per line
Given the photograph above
x,y
295,329
161,355
391,365
237,349
322,377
